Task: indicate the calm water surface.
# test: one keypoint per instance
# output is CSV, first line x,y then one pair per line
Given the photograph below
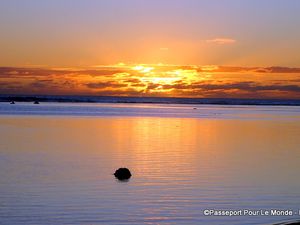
x,y
57,169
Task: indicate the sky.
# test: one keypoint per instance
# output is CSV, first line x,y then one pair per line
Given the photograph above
x,y
182,48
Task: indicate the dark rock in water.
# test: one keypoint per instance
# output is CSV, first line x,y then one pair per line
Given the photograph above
x,y
12,102
122,174
36,102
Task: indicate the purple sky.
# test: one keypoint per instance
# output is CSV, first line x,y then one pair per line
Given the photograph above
x,y
201,32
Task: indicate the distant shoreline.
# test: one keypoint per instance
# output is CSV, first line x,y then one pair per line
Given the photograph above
x,y
148,100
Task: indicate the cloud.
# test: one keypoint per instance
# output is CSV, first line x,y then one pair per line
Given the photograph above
x,y
177,80
18,72
239,69
128,73
103,85
125,92
102,72
248,86
221,41
246,89
278,69
152,86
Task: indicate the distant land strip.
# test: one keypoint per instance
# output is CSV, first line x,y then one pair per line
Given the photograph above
x,y
148,100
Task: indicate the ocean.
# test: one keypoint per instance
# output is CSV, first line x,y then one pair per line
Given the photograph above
x,y
187,161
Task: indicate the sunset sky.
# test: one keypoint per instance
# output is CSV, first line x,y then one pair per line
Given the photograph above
x,y
182,48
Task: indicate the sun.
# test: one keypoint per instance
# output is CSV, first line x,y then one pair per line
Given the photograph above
x,y
151,74
155,75
160,80
143,69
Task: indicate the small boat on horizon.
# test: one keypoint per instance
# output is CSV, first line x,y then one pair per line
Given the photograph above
x,y
36,102
12,102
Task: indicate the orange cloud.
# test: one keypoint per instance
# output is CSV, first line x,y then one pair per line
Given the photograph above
x,y
155,80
